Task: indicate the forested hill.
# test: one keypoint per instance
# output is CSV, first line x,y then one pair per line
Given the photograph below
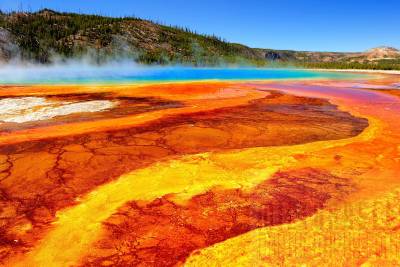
x,y
46,36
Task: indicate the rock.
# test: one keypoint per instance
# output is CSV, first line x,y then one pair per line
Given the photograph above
x,y
8,48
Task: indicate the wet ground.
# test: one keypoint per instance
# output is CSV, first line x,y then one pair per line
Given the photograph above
x,y
202,173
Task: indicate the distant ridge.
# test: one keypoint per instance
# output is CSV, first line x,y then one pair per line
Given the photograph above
x,y
47,35
385,49
382,52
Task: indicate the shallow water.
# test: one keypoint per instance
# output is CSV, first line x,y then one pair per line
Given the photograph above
x,y
123,73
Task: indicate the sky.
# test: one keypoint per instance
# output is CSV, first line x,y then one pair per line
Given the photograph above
x,y
310,25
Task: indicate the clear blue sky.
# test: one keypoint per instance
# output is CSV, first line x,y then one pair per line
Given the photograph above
x,y
320,25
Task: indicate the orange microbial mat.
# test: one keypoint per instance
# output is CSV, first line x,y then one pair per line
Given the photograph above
x,y
239,173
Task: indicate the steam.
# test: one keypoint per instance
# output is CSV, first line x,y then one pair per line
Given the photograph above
x,y
86,70
68,71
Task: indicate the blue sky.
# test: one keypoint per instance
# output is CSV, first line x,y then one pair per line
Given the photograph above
x,y
318,25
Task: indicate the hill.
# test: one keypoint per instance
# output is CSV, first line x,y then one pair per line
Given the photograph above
x,y
46,36
383,52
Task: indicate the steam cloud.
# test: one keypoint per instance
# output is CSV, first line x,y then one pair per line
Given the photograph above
x,y
69,71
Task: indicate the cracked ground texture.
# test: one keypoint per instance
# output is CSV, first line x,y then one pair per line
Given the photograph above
x,y
177,169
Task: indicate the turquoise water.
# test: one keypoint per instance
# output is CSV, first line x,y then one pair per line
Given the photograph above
x,y
81,74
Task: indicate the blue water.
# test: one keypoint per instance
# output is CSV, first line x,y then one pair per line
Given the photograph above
x,y
84,74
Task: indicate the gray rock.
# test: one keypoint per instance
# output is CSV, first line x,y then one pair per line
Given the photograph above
x,y
8,48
